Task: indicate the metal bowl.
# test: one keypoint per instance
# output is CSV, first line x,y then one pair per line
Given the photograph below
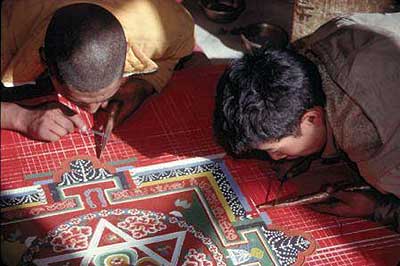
x,y
260,34
223,11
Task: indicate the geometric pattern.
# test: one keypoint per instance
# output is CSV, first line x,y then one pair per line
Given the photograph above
x,y
82,171
213,167
28,196
286,248
181,215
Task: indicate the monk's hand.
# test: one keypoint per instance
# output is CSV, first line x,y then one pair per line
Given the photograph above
x,y
130,96
349,204
49,122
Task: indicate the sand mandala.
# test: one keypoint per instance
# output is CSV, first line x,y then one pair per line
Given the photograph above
x,y
187,214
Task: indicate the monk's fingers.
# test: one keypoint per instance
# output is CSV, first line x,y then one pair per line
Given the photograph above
x,y
57,129
78,122
47,133
347,197
65,123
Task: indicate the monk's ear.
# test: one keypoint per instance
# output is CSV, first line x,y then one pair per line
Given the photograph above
x,y
314,117
42,56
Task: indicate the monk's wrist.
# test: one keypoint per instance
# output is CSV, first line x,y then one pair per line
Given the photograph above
x,y
13,117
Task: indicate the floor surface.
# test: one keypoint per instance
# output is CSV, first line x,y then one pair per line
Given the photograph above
x,y
220,46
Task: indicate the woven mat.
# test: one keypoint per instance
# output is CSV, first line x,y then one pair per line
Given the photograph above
x,y
170,127
308,15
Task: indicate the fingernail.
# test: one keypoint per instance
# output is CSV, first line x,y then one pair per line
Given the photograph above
x,y
84,129
330,189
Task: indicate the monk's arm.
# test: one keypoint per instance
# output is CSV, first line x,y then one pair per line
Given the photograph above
x,y
11,116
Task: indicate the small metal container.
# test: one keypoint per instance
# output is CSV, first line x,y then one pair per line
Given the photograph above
x,y
223,11
260,34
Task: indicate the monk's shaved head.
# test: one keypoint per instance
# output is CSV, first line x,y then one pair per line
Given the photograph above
x,y
85,47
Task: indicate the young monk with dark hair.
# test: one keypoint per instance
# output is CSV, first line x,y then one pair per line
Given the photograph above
x,y
338,95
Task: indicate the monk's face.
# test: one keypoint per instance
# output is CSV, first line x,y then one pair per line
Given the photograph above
x,y
310,139
90,101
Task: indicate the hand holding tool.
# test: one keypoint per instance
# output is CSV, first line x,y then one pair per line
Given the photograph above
x,y
315,197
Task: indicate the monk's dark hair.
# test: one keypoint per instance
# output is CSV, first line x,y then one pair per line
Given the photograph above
x,y
262,97
85,47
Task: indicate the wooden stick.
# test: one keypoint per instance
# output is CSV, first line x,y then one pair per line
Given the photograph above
x,y
313,197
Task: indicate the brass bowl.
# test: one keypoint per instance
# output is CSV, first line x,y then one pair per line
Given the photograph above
x,y
260,34
223,11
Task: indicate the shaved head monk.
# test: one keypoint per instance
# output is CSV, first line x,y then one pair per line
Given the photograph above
x,y
90,53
